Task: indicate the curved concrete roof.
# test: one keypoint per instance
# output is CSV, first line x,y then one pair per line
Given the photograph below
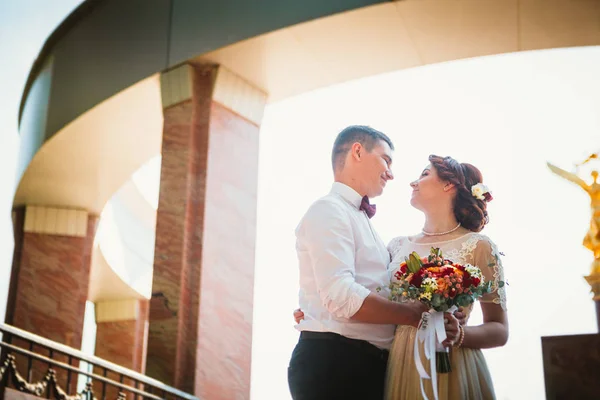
x,y
105,46
125,239
92,157
98,108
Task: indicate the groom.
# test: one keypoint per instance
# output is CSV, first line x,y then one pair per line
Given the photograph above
x,y
348,327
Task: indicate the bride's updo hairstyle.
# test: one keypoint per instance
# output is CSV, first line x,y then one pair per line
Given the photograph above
x,y
468,210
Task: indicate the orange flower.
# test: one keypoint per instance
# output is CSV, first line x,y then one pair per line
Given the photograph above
x,y
441,284
434,270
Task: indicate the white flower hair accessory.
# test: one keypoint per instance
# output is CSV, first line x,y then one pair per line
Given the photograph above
x,y
481,192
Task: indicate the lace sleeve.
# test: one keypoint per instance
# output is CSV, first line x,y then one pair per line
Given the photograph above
x,y
394,247
487,257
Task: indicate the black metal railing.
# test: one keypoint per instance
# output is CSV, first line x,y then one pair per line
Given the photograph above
x,y
43,368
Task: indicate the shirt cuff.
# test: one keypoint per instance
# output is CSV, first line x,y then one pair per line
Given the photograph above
x,y
356,297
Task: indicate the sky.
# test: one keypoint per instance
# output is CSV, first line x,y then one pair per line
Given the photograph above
x,y
506,114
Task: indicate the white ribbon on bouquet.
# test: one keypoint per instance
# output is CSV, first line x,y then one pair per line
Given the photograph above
x,y
431,333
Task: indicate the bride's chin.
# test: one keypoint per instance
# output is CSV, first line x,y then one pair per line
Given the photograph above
x,y
416,205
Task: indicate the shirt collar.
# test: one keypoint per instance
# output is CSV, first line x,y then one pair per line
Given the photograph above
x,y
347,193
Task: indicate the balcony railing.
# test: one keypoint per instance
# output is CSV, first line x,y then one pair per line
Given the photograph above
x,y
43,368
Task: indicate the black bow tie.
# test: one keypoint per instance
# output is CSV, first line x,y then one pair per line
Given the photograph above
x,y
370,209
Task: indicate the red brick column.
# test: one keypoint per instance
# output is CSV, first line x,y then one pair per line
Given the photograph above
x,y
122,332
50,273
121,338
200,336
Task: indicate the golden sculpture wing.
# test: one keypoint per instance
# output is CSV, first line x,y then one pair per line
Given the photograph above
x,y
569,176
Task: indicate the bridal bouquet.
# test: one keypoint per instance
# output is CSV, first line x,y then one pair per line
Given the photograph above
x,y
443,286
438,282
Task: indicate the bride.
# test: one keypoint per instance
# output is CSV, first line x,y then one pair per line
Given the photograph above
x,y
454,201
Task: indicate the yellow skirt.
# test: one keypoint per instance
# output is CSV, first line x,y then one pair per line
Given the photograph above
x,y
469,379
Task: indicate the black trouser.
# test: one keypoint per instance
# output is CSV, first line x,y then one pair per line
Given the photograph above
x,y
327,366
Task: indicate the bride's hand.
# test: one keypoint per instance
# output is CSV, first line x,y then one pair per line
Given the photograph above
x,y
451,324
461,316
298,315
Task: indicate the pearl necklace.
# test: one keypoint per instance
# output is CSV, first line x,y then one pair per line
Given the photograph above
x,y
441,233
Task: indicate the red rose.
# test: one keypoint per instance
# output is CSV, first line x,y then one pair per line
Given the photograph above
x,y
403,268
416,280
476,281
452,293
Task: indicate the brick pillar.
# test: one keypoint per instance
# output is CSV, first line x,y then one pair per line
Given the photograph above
x,y
200,336
50,273
121,338
122,332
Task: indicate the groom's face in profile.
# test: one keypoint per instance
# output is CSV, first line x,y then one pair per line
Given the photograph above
x,y
377,168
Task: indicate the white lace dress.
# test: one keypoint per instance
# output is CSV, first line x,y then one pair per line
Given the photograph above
x,y
470,378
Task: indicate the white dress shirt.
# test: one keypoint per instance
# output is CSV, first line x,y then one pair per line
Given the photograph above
x,y
342,260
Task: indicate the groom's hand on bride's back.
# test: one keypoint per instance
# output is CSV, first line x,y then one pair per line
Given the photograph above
x,y
298,315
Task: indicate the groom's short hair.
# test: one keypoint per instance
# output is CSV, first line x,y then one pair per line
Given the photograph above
x,y
362,134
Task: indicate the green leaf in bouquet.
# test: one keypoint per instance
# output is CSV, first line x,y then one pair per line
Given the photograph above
x,y
437,300
488,287
463,300
436,252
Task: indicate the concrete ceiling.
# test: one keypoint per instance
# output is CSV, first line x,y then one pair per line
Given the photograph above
x,y
105,283
404,34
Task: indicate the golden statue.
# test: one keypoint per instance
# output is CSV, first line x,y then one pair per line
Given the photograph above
x,y
592,238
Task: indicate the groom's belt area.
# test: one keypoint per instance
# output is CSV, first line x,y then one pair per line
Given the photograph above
x,y
361,344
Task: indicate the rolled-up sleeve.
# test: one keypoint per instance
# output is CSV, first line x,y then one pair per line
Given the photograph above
x,y
326,235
